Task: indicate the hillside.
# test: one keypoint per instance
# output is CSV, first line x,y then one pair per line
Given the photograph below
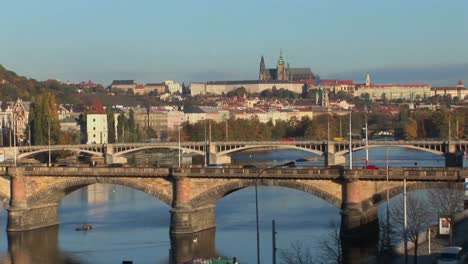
x,y
13,86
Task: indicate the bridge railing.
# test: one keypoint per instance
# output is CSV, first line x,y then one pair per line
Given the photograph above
x,y
91,171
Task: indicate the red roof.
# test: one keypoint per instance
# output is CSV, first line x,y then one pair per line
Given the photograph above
x,y
393,85
336,82
96,107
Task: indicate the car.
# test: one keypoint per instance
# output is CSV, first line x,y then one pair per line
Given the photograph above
x,y
116,165
215,166
371,167
451,255
249,166
301,160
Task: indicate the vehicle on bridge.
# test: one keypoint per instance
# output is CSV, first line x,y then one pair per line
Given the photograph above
x,y
371,167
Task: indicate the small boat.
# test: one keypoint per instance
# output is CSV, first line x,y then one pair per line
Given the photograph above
x,y
84,227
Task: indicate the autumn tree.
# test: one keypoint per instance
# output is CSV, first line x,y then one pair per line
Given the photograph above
x,y
43,115
411,128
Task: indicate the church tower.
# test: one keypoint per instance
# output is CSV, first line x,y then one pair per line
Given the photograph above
x,y
261,74
280,68
368,81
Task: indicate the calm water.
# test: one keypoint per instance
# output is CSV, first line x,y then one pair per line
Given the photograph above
x,y
131,225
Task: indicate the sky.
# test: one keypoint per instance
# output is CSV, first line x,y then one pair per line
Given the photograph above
x,y
397,41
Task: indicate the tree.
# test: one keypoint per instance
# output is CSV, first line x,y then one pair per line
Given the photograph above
x,y
411,128
447,203
110,124
418,220
331,247
44,113
297,254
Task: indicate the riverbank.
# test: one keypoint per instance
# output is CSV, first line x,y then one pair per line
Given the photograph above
x,y
460,238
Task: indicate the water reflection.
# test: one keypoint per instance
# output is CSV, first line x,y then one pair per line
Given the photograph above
x,y
38,246
187,247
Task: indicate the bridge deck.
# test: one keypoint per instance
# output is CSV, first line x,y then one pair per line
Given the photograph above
x,y
415,174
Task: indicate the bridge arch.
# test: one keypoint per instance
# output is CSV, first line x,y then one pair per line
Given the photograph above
x,y
381,197
32,153
56,192
343,152
215,194
186,150
293,147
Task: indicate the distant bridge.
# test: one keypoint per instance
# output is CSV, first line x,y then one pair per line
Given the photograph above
x,y
219,152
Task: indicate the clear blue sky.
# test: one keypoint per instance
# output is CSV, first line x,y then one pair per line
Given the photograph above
x,y
197,40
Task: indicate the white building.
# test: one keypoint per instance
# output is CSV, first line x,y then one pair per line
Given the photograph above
x,y
96,124
173,86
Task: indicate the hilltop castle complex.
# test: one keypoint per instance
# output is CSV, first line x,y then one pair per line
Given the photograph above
x,y
283,72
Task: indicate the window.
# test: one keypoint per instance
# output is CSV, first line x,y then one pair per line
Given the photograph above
x,y
94,135
94,119
94,128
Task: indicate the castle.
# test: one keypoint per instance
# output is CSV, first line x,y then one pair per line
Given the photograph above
x,y
283,72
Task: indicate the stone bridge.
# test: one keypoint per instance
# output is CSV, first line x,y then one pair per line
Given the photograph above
x,y
333,152
35,192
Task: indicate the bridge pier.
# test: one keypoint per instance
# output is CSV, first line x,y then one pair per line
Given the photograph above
x,y
356,222
219,159
331,157
184,218
22,216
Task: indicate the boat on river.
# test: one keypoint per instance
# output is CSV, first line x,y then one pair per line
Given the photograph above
x,y
84,227
211,261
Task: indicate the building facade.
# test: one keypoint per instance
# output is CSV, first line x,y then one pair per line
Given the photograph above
x,y
96,124
393,91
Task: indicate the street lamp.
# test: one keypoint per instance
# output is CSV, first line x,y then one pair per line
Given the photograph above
x,y
350,144
388,198
256,201
405,221
14,137
48,128
179,144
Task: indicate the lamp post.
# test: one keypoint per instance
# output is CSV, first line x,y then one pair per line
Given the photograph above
x,y
387,203
14,138
48,128
179,145
350,145
405,221
256,202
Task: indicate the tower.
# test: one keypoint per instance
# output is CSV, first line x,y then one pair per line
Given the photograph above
x,y
368,81
280,68
261,74
96,124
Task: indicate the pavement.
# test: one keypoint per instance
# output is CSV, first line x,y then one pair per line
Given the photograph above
x,y
460,238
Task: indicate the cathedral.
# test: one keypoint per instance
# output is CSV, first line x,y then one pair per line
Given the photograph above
x,y
283,72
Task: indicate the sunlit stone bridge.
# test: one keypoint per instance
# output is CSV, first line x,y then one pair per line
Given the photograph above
x,y
34,193
333,152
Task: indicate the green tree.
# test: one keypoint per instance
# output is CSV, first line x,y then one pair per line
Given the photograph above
x,y
43,115
110,125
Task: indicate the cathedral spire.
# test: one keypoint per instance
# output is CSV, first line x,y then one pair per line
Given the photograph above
x,y
261,74
368,80
281,60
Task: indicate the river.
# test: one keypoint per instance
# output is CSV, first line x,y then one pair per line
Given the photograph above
x,y
131,225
